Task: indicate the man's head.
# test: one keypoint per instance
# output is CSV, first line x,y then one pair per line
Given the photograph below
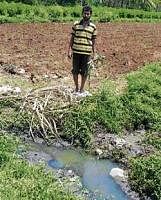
x,y
86,12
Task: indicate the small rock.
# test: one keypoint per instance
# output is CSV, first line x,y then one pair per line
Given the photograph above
x,y
21,71
117,173
55,77
70,173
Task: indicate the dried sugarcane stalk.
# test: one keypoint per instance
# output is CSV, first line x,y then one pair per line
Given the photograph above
x,y
47,99
46,106
30,129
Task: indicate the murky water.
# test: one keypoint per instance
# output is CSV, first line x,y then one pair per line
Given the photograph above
x,y
94,173
96,177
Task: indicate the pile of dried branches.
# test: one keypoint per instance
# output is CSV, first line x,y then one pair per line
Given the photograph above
x,y
46,108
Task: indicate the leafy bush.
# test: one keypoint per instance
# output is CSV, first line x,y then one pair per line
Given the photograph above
x,y
55,13
78,124
40,12
145,176
109,109
76,11
144,96
3,9
106,17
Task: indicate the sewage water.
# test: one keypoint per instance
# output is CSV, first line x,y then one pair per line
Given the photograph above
x,y
96,178
94,173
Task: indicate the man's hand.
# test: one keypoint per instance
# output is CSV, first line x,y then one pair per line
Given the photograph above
x,y
69,54
93,55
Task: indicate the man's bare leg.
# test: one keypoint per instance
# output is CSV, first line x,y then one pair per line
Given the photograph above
x,y
75,78
83,80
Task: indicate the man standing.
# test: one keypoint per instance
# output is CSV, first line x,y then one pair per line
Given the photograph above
x,y
81,47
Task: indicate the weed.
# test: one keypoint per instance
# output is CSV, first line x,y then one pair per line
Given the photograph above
x,y
145,176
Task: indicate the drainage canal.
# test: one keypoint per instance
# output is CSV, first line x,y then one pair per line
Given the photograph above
x,y
93,173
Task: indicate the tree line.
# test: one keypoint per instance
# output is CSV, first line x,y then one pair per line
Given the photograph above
x,y
134,4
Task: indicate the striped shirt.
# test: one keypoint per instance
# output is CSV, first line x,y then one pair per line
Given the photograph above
x,y
83,36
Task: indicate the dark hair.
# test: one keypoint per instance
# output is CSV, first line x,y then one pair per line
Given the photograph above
x,y
87,8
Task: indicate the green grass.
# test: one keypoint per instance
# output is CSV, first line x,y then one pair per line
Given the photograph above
x,y
143,97
138,106
145,176
154,139
18,180
105,108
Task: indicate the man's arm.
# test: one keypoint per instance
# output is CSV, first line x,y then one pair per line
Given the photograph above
x,y
94,40
93,45
70,46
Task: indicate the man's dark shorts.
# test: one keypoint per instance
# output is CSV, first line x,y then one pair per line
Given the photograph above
x,y
80,64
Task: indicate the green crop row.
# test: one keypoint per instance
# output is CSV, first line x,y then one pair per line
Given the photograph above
x,y
18,12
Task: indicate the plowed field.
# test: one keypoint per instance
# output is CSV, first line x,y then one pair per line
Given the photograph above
x,y
42,48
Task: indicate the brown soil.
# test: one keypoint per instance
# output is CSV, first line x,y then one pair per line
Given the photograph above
x,y
42,48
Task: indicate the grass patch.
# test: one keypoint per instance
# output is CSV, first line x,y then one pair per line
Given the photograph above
x,y
18,180
145,176
139,105
143,97
153,139
103,107
10,118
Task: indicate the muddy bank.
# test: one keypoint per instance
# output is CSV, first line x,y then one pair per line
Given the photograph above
x,y
120,147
